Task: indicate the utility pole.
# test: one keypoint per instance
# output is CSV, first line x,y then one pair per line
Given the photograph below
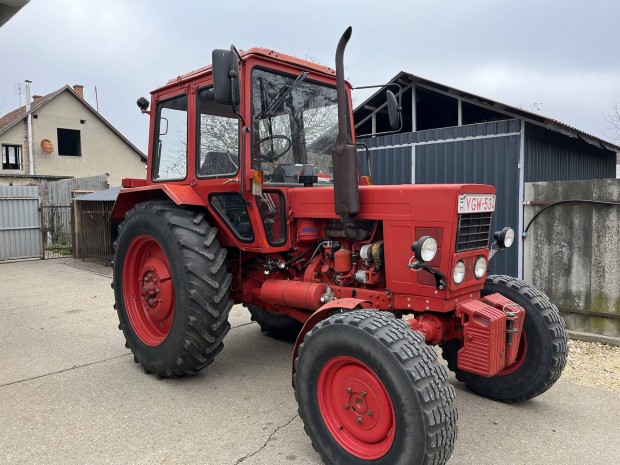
x,y
30,148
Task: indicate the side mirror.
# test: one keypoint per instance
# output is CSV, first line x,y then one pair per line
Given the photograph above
x,y
226,88
394,111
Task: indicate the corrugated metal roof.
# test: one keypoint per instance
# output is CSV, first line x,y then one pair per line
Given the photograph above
x,y
404,78
106,195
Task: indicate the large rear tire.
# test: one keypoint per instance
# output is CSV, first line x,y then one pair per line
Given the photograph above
x,y
281,327
543,349
171,288
370,392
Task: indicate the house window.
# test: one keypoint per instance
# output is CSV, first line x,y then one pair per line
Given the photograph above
x,y
69,142
12,157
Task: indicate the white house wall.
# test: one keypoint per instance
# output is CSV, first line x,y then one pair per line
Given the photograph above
x,y
102,151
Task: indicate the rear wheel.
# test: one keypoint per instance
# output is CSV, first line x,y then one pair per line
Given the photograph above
x,y
278,326
543,348
370,392
171,288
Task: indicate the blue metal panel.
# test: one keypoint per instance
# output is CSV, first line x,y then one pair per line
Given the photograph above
x,y
551,156
389,166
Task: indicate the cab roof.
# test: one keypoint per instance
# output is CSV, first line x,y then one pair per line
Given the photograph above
x,y
260,52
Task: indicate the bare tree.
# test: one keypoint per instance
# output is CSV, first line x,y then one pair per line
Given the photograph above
x,y
613,118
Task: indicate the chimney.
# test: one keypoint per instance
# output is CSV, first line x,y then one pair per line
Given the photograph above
x,y
79,89
35,98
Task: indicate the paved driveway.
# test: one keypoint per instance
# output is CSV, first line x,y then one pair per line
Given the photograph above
x,y
71,393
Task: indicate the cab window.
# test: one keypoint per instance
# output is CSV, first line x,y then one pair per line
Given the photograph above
x,y
170,144
295,122
217,147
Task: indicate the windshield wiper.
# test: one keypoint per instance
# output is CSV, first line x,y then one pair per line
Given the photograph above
x,y
280,96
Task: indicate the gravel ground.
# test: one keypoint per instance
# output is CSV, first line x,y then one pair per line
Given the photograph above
x,y
593,364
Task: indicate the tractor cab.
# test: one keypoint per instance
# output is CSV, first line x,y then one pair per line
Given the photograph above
x,y
242,143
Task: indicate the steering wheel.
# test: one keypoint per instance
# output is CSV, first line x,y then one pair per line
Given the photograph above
x,y
272,156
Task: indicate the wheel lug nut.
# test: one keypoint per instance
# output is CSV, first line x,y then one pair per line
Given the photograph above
x,y
370,413
363,393
349,390
359,419
347,406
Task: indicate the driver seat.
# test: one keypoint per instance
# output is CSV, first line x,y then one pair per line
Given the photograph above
x,y
216,163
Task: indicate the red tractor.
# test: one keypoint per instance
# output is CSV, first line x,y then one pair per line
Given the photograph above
x,y
253,197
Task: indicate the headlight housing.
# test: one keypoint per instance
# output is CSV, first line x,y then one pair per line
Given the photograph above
x,y
505,237
458,274
480,267
425,249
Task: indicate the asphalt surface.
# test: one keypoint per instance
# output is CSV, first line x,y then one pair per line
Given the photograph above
x,y
70,393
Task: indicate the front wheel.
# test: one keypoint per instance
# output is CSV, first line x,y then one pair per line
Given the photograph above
x,y
370,392
543,348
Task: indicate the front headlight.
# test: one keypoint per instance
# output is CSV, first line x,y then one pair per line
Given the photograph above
x,y
480,267
425,249
459,272
505,237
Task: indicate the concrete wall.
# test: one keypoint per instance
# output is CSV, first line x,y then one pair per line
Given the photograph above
x,y
572,252
102,151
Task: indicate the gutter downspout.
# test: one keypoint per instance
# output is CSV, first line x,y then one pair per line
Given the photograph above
x,y
30,149
520,244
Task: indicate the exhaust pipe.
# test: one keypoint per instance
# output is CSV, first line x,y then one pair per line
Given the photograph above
x,y
345,162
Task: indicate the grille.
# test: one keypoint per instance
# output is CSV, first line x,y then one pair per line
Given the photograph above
x,y
473,232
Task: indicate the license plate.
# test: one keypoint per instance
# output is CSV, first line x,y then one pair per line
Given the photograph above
x,y
474,203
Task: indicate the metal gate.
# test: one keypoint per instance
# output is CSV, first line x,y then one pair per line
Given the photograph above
x,y
20,223
56,231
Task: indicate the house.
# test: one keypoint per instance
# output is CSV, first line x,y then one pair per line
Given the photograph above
x,y
452,136
69,139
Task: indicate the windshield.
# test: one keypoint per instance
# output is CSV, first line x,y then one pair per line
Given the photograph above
x,y
295,123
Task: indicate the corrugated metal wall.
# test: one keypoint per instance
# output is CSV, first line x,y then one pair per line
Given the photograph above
x,y
486,153
389,166
20,233
551,156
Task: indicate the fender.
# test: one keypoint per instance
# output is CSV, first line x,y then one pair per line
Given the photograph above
x,y
179,194
323,312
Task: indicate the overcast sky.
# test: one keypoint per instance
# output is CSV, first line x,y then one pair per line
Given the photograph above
x,y
559,58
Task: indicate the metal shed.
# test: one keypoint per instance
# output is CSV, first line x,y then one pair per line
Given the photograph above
x,y
93,226
451,136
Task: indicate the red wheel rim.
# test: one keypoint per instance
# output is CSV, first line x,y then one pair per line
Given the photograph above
x,y
148,290
521,355
356,408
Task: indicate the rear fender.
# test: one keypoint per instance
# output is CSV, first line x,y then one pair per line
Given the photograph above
x,y
180,195
326,310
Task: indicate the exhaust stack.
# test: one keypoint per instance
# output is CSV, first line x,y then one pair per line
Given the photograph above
x,y
345,162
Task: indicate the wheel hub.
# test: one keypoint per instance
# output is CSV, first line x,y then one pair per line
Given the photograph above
x,y
148,290
356,407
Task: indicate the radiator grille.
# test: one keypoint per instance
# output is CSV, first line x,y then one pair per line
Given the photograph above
x,y
473,231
